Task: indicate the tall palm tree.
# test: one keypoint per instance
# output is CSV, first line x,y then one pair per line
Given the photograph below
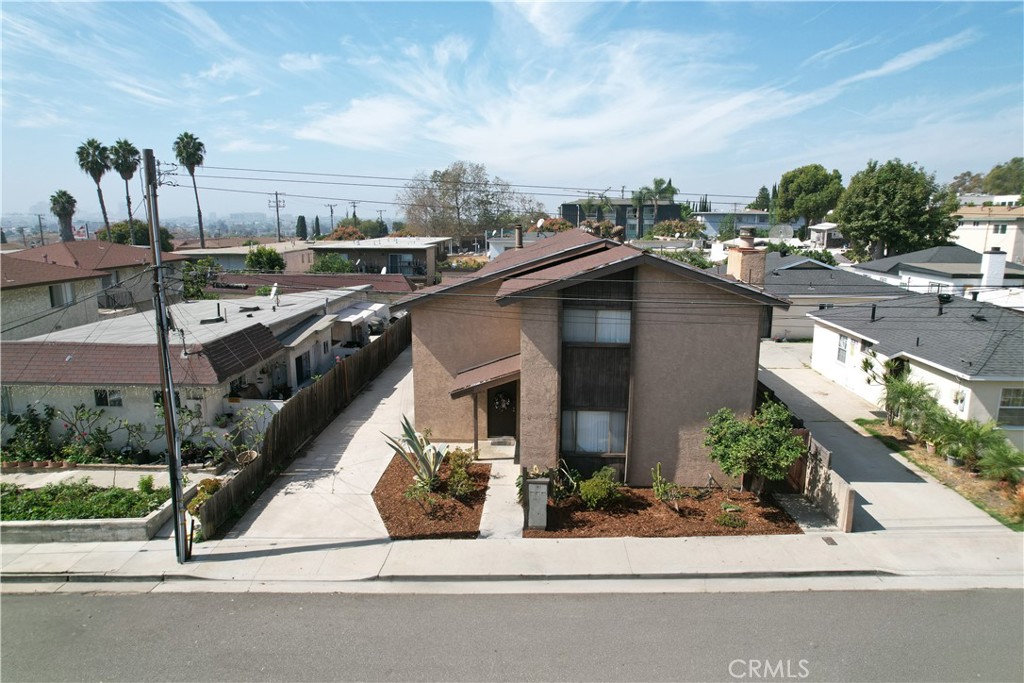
x,y
190,152
125,159
640,197
94,160
62,205
659,190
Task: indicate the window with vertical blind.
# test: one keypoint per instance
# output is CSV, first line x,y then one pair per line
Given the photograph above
x,y
593,431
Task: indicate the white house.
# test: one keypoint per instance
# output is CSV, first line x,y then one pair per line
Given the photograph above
x,y
949,269
970,353
982,228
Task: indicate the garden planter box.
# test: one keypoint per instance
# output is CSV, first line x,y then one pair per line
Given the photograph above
x,y
89,530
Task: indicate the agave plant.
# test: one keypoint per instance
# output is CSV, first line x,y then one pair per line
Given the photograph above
x,y
422,456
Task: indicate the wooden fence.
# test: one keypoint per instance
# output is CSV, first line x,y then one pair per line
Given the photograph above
x,y
303,417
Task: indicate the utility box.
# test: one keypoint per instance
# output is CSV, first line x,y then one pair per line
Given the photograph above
x,y
537,491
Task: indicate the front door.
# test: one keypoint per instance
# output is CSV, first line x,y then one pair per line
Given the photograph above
x,y
501,410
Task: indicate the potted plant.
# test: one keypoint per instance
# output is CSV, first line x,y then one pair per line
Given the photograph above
x,y
222,420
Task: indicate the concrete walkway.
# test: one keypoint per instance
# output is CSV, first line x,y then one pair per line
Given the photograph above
x,y
893,494
317,529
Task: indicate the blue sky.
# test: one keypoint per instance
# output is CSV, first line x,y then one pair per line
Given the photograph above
x,y
721,97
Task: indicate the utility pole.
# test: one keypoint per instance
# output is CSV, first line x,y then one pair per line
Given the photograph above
x,y
277,204
331,207
170,404
354,217
42,240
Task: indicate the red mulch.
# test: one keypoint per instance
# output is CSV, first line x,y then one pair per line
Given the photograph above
x,y
448,518
639,514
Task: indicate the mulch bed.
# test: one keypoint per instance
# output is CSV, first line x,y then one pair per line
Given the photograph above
x,y
448,518
639,514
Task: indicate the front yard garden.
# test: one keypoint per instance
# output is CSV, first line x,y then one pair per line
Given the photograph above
x,y
79,499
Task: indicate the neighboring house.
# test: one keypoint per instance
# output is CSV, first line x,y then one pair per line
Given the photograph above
x,y
225,355
36,298
498,242
970,353
951,269
979,199
753,219
590,351
190,243
387,288
622,212
813,286
982,228
826,236
297,255
127,277
415,257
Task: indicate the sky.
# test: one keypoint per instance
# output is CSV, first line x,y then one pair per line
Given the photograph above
x,y
335,102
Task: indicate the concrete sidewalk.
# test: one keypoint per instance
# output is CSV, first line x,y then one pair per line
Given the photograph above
x,y
317,529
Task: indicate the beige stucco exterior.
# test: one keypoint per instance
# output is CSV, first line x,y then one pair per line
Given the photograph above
x,y
24,310
794,323
694,350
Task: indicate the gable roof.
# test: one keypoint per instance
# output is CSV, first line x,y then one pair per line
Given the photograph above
x,y
796,276
82,363
970,339
93,255
938,259
15,273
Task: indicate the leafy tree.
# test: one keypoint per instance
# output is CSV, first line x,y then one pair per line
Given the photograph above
x,y
264,260
727,228
331,263
136,233
191,152
125,159
689,229
693,258
62,205
817,254
763,200
460,201
552,225
94,160
316,228
763,445
967,182
1005,178
346,233
894,209
196,275
659,190
809,192
300,228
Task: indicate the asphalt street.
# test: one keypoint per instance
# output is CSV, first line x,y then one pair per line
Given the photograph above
x,y
821,636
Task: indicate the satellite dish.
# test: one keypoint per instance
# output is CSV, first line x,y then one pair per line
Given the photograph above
x,y
540,222
384,270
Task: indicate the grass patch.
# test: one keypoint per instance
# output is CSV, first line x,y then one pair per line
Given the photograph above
x,y
935,465
77,499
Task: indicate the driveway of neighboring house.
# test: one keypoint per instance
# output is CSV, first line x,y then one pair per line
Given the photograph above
x,y
892,493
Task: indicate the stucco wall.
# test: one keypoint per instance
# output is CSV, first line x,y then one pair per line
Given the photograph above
x,y
24,310
539,414
451,333
794,323
690,359
298,261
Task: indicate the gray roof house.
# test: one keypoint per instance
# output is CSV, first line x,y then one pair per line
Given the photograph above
x,y
951,269
970,352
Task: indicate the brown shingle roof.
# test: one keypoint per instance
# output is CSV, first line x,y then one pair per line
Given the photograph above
x,y
16,273
92,255
77,363
483,376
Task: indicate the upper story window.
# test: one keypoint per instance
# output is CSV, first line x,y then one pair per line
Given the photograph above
x,y
1011,407
61,295
601,326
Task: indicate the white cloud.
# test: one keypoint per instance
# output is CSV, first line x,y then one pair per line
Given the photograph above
x,y
299,62
916,57
385,122
554,22
224,71
256,92
451,49
828,54
141,92
42,119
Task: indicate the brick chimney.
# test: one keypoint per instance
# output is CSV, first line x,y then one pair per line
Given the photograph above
x,y
993,267
745,262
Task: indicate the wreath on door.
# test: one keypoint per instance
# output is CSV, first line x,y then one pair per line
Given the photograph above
x,y
503,403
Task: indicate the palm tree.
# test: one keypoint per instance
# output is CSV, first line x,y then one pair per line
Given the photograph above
x,y
190,152
125,159
94,160
62,205
658,190
640,197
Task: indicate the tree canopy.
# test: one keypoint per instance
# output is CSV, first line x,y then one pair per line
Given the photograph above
x,y
191,152
763,200
895,208
331,263
556,224
809,192
62,205
138,234
345,233
691,228
196,275
94,160
1006,178
264,260
125,159
763,445
300,228
461,201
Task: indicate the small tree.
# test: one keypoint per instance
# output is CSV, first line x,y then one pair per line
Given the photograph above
x,y
196,275
331,263
264,260
300,228
763,446
316,228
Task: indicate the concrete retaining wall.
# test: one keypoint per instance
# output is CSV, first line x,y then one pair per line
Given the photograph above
x,y
86,530
831,493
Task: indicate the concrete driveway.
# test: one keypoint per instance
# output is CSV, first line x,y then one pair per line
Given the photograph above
x,y
892,493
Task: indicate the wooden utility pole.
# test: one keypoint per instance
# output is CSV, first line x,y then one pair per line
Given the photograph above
x,y
331,207
170,403
277,204
42,240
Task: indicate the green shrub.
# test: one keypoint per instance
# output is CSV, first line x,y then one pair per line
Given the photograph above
x,y
601,490
460,485
731,520
763,445
731,507
204,491
146,484
77,499
1002,462
31,439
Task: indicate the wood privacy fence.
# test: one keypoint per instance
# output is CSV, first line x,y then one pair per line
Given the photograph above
x,y
304,416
